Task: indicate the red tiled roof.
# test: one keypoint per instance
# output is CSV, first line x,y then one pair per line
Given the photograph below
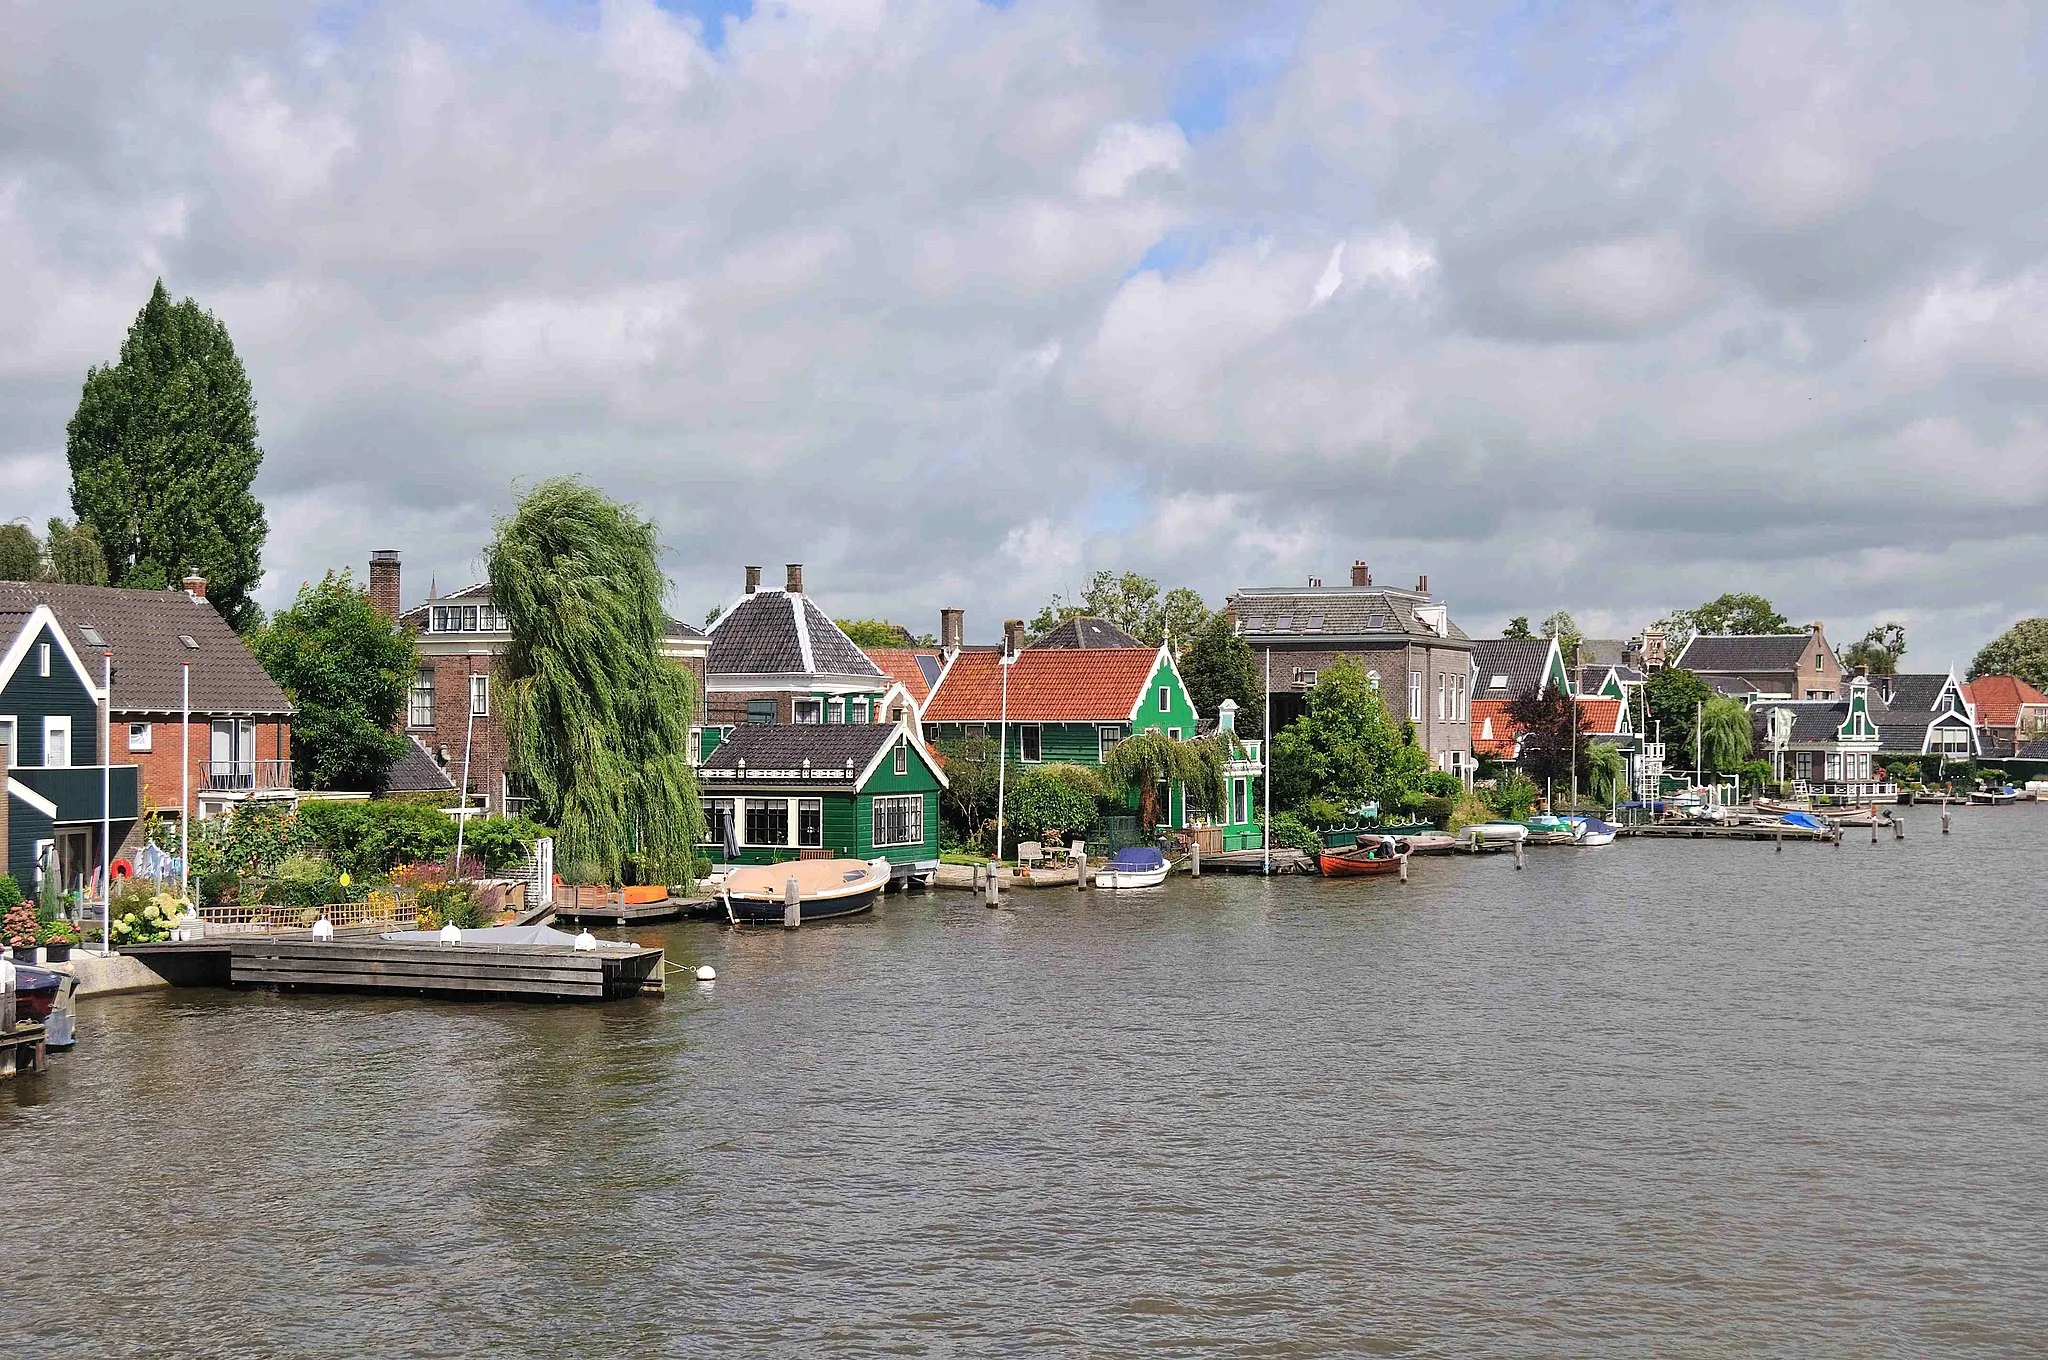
x,y
1997,699
1050,685
1599,716
1493,732
900,664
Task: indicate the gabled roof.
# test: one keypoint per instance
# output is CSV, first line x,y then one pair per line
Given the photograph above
x,y
1600,717
916,669
1745,653
1997,699
1058,684
1493,732
1087,633
1604,652
416,772
1335,611
1520,664
145,630
772,632
1813,720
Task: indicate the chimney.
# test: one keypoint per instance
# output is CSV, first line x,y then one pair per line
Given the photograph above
x,y
1013,636
753,579
1315,583
1361,574
794,581
384,582
952,631
1422,585
195,584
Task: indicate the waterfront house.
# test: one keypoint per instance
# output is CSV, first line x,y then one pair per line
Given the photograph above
x,y
2009,713
1406,641
1611,667
1497,736
857,791
54,752
775,657
240,742
1829,746
1508,668
1778,665
1925,715
453,701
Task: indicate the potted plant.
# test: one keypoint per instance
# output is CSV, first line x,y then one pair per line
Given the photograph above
x,y
59,937
19,929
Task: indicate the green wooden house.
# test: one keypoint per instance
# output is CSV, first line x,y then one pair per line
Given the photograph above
x,y
50,738
775,792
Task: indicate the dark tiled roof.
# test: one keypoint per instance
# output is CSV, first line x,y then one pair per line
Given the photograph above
x,y
678,629
1343,611
2032,750
145,630
1519,661
416,772
1084,632
771,747
1745,654
1603,652
1734,686
760,636
1813,720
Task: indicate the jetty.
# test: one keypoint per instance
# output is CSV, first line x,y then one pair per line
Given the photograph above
x,y
1731,831
613,911
525,972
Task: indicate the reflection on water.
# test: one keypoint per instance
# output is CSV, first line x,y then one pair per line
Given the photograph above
x,y
1651,1098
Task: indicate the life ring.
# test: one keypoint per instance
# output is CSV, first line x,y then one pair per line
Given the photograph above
x,y
123,869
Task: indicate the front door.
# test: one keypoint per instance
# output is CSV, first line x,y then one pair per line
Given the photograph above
x,y
56,742
75,864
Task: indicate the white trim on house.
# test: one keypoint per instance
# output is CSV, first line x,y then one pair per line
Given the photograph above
x,y
909,733
803,631
17,789
31,630
1146,691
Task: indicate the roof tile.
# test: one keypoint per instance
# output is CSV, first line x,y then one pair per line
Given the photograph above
x,y
1056,684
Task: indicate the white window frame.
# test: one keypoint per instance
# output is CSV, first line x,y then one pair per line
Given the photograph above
x,y
767,804
480,696
43,660
1165,699
141,737
1373,678
810,804
859,711
10,741
419,698
902,762
1032,753
815,707
1443,696
909,802
53,725
835,713
1106,738
1173,734
1415,696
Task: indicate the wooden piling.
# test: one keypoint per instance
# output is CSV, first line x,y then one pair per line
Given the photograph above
x,y
1518,854
1898,827
1944,819
990,886
1404,868
1195,857
1780,839
792,904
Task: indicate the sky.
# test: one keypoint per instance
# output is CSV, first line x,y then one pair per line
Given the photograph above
x,y
1601,307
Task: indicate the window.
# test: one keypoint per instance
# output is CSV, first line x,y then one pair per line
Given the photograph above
x,y
899,821
1105,739
1305,679
419,700
1373,678
760,710
903,757
1240,801
1443,696
975,731
1165,699
1284,624
490,620
56,742
43,660
479,696
808,711
835,711
141,737
717,817
1457,698
1030,742
810,823
9,747
767,821
857,711
931,731
191,643
1415,696
92,636
1173,734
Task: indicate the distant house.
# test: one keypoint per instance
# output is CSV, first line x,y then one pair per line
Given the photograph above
x,y
1777,665
868,791
2009,713
1082,632
1405,640
1611,667
1830,745
454,701
775,657
1508,668
1496,735
914,672
1925,715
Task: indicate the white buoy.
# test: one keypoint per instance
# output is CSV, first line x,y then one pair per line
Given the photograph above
x,y
323,929
450,935
586,940
706,973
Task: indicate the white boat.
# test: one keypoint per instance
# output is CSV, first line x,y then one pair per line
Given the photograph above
x,y
1495,835
1591,831
758,893
1138,867
2004,797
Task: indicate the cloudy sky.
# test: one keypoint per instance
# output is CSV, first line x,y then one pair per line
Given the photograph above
x,y
1604,306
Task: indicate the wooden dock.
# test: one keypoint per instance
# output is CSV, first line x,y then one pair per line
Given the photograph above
x,y
1286,860
23,1050
514,972
1736,831
612,912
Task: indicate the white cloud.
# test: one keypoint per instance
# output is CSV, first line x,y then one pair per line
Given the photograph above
x,y
1125,151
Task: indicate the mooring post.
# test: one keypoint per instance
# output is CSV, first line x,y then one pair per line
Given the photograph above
x,y
1518,854
1195,857
1944,819
1404,868
1873,830
990,886
1898,827
1081,870
792,905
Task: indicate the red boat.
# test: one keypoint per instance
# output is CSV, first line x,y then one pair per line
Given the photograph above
x,y
1380,857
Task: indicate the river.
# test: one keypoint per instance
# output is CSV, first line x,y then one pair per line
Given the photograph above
x,y
1662,1097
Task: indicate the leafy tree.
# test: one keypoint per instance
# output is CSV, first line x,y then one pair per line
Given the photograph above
x,y
1151,758
74,554
1517,629
1512,796
1133,603
1725,734
1606,773
1562,626
21,555
880,633
2021,650
1553,742
1217,665
1057,797
597,720
1729,614
1674,696
968,802
1346,747
163,453
1878,650
346,667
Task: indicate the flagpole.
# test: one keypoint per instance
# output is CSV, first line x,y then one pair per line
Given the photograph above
x,y
185,784
1266,760
1005,661
106,802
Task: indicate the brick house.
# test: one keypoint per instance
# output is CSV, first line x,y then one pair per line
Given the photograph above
x,y
239,745
1776,665
775,657
1411,651
461,638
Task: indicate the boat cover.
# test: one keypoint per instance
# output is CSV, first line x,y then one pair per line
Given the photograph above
x,y
499,935
1594,825
1137,860
1805,819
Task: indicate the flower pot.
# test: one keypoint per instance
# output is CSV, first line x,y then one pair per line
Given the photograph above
x,y
57,953
25,953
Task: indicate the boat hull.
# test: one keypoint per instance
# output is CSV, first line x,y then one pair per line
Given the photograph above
x,y
1344,866
1118,880
35,992
758,895
1994,799
761,911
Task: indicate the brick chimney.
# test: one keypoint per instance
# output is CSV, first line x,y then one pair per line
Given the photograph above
x,y
1013,636
793,582
1361,574
384,582
753,579
195,584
952,631
1422,585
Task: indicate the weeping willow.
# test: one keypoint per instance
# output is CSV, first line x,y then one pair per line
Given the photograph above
x,y
597,719
1725,734
1149,758
1606,774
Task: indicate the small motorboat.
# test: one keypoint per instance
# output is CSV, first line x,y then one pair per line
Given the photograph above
x,y
1381,856
1806,821
1405,828
1550,830
35,991
2003,796
825,888
1494,835
1431,842
1591,831
1141,866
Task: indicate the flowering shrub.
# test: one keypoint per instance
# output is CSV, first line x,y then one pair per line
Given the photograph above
x,y
59,932
154,922
19,926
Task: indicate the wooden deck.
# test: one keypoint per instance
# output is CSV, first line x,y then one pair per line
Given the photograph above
x,y
613,912
1759,831
515,972
1286,860
24,1050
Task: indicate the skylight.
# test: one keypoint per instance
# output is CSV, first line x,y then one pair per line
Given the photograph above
x,y
1498,682
92,636
1315,623
189,641
1284,624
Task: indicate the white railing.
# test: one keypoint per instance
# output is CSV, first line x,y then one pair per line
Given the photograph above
x,y
248,776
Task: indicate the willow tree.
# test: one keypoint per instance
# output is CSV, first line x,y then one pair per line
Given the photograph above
x,y
1151,758
1606,773
1725,733
597,720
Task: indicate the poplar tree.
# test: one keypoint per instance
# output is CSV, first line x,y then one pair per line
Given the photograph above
x,y
597,719
163,454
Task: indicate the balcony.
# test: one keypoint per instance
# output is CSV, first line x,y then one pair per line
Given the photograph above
x,y
75,789
248,776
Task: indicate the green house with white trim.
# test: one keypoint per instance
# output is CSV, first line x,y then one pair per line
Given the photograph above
x,y
775,792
